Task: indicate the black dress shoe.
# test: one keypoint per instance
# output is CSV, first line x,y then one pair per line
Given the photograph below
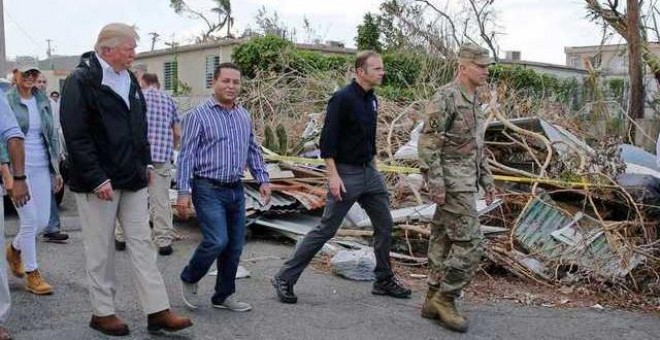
x,y
167,250
120,246
55,237
284,290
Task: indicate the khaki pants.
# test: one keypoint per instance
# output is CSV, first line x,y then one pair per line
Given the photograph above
x,y
98,223
160,209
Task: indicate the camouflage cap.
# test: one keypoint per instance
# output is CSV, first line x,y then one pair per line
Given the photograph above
x,y
475,54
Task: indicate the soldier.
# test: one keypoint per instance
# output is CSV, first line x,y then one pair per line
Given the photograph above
x,y
453,165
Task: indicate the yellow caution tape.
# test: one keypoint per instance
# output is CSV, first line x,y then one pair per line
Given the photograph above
x,y
410,170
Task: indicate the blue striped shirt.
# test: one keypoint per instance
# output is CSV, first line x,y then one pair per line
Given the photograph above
x,y
218,143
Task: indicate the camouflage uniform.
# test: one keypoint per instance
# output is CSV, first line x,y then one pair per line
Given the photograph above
x,y
453,162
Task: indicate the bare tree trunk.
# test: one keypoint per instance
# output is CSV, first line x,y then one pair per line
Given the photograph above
x,y
635,66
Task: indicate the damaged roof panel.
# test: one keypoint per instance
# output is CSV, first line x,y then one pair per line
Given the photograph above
x,y
548,232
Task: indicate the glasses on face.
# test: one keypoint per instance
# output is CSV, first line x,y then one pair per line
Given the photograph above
x,y
30,73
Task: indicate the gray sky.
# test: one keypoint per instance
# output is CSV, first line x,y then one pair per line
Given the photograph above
x,y
538,28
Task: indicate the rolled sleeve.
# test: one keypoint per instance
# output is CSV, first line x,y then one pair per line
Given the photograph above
x,y
8,128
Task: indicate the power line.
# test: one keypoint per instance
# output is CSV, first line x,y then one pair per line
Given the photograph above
x,y
22,30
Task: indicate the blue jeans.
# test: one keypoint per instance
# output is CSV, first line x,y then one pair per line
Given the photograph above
x,y
54,221
221,214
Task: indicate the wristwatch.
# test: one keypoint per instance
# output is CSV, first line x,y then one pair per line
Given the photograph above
x,y
19,177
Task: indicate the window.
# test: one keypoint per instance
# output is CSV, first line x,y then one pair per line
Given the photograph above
x,y
171,72
575,62
212,62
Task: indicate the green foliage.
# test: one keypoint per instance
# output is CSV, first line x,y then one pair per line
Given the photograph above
x,y
269,139
268,53
403,69
616,88
396,93
283,139
274,54
368,34
278,141
534,84
309,62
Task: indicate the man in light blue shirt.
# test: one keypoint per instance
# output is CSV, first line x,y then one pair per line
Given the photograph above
x,y
17,188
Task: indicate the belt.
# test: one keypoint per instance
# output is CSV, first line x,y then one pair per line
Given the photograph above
x,y
219,183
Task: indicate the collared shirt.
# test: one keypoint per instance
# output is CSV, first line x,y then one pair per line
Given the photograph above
x,y
161,117
349,131
120,82
8,124
218,143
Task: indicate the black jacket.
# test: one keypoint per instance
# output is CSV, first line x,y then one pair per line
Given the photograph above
x,y
349,131
104,138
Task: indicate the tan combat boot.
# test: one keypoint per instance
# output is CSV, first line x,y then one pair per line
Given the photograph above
x,y
445,306
14,261
428,311
37,285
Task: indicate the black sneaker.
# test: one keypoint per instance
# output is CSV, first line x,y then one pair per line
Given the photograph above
x,y
120,245
391,287
55,237
165,251
284,290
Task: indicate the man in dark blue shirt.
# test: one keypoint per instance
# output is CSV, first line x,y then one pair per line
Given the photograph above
x,y
348,146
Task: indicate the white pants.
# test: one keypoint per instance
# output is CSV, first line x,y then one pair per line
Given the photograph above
x,y
34,215
5,298
160,208
98,224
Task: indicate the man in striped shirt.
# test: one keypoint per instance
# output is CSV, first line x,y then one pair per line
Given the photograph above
x,y
216,145
164,133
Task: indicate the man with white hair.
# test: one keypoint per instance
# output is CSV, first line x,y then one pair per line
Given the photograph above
x,y
103,116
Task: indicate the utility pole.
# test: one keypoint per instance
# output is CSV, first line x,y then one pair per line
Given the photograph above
x,y
635,68
49,51
154,38
3,57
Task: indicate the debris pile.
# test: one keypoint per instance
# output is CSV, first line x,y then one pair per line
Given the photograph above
x,y
571,210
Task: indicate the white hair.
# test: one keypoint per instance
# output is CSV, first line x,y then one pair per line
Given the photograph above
x,y
112,35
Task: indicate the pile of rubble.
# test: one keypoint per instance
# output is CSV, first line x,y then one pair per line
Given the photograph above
x,y
567,212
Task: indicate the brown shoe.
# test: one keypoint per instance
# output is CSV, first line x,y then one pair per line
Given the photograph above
x,y
445,307
428,311
109,325
4,334
36,284
14,261
168,321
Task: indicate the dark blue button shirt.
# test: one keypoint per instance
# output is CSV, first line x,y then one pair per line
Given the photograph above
x,y
349,131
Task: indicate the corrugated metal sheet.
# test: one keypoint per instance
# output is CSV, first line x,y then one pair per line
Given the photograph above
x,y
541,218
252,197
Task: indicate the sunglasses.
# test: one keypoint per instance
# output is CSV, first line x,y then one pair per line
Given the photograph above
x,y
30,73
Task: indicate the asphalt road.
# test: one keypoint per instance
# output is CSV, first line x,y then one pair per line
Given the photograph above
x,y
329,307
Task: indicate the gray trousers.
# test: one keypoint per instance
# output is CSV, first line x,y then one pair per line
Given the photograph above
x,y
365,185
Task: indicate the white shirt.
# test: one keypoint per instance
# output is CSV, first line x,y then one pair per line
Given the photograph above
x,y
35,149
120,82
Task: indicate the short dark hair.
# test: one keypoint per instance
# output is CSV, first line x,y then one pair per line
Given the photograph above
x,y
150,78
231,66
362,56
54,92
